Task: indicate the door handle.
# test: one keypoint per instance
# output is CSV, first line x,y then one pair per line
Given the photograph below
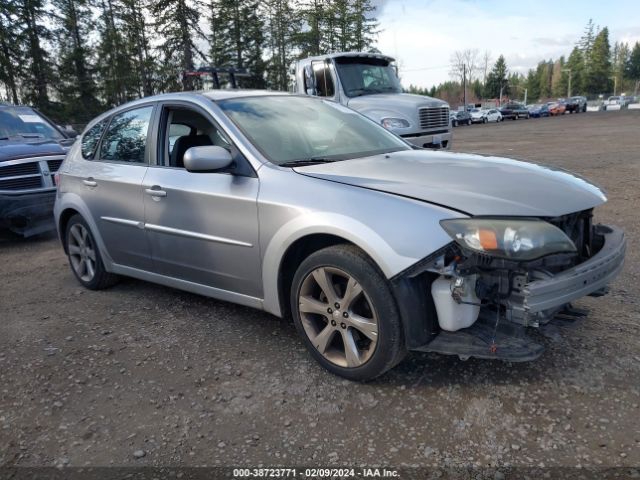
x,y
155,191
90,182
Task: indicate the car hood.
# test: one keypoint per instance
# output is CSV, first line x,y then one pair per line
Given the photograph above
x,y
13,150
472,184
406,100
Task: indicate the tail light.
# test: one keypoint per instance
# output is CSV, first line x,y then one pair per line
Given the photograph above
x,y
56,179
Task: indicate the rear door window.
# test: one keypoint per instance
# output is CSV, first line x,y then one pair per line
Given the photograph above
x,y
91,138
126,137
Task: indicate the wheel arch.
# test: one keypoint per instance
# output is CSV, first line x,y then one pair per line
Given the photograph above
x,y
63,221
69,205
294,256
309,233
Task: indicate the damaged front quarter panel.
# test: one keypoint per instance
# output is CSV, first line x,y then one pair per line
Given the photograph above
x,y
514,295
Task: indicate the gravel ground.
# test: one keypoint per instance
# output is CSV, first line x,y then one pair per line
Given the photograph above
x,y
146,375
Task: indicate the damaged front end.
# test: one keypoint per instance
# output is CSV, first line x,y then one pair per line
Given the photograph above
x,y
502,275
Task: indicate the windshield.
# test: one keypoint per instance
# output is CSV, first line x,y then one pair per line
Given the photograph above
x,y
289,130
25,123
365,76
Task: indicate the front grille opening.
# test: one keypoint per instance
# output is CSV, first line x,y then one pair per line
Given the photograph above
x,y
433,117
54,165
30,168
25,183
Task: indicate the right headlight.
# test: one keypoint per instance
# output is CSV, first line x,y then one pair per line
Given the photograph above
x,y
516,239
390,123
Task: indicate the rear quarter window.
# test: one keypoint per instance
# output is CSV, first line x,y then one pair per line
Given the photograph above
x,y
91,138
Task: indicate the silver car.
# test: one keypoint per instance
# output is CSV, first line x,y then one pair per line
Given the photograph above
x,y
302,207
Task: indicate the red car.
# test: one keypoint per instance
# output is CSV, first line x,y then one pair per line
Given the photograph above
x,y
556,108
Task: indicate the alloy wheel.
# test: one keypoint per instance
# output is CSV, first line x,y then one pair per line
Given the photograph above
x,y
338,317
81,252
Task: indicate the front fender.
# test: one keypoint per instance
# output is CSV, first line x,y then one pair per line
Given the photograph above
x,y
396,232
364,237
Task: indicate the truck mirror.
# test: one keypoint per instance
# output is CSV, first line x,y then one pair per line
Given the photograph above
x,y
309,81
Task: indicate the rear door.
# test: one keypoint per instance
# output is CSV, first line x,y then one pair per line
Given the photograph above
x,y
111,185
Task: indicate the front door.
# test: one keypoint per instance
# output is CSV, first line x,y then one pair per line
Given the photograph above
x,y
203,227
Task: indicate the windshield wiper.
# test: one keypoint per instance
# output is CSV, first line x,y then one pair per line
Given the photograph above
x,y
306,161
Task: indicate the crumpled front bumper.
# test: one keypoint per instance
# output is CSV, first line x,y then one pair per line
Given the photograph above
x,y
28,214
532,300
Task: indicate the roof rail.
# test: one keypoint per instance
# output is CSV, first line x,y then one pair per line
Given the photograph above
x,y
233,72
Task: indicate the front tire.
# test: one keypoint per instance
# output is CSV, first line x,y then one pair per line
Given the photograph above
x,y
345,313
84,256
484,120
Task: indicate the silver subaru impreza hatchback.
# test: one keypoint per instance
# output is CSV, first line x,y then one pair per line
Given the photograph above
x,y
304,208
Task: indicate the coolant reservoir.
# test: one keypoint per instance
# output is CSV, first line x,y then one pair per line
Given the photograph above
x,y
452,315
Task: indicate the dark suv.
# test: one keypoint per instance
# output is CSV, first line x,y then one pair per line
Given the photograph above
x,y
32,149
514,111
576,104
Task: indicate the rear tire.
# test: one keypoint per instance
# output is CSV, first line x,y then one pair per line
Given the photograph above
x,y
345,312
84,256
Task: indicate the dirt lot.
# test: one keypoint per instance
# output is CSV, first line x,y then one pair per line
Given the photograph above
x,y
146,375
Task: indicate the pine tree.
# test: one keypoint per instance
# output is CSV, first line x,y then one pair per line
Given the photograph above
x,y
177,24
282,25
586,41
365,26
497,83
619,59
315,14
38,74
599,65
136,30
77,87
10,52
575,63
116,72
632,69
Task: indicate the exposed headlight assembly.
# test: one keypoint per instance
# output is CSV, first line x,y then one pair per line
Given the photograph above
x,y
395,123
516,239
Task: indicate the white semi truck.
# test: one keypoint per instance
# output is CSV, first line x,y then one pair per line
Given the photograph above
x,y
368,83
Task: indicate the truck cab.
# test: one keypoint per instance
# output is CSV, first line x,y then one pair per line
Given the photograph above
x,y
368,83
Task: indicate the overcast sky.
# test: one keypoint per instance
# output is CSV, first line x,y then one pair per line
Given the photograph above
x,y
422,34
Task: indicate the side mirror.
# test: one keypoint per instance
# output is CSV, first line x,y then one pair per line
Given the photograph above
x,y
310,82
208,158
68,131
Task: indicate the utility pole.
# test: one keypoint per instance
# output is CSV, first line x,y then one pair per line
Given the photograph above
x,y
464,85
525,95
569,84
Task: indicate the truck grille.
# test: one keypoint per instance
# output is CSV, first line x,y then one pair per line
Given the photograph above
x,y
433,117
29,174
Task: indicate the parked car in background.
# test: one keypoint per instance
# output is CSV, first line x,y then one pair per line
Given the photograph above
x,y
513,111
460,117
556,108
32,148
538,110
485,115
304,208
576,104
